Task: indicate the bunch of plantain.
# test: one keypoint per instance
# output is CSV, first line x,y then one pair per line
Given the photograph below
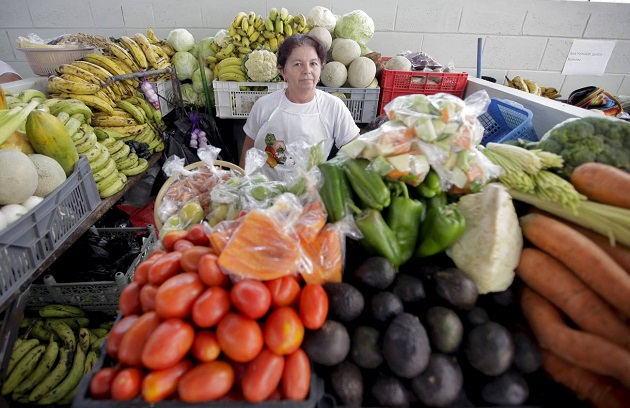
x,y
141,53
529,86
49,360
249,32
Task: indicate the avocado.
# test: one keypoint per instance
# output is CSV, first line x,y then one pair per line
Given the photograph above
x,y
456,288
328,345
345,302
385,306
527,357
440,383
476,316
376,272
508,389
408,288
389,391
445,329
347,383
490,348
365,350
503,298
406,346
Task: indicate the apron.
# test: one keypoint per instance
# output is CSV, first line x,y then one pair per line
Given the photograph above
x,y
284,128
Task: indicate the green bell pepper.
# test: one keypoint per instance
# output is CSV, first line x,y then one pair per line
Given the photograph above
x,y
378,238
367,184
404,217
335,190
443,226
430,186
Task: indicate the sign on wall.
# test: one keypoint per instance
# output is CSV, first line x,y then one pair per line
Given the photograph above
x,y
588,57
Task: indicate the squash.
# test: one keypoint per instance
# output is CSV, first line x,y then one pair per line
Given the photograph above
x,y
49,172
18,179
49,137
361,72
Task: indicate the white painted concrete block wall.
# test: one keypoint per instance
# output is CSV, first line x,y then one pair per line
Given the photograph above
x,y
527,38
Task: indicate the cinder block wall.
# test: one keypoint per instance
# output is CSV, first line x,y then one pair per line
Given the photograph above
x,y
528,38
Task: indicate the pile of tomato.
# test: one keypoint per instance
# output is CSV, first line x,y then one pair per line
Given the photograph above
x,y
189,331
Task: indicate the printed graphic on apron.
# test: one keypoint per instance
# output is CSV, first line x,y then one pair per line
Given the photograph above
x,y
275,149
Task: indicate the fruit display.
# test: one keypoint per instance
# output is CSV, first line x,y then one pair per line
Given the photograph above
x,y
186,328
529,86
48,361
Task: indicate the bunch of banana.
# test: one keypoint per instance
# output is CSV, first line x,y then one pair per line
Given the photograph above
x,y
230,69
141,53
127,162
279,25
58,348
529,86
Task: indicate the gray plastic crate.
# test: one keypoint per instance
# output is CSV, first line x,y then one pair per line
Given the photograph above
x,y
96,296
361,102
27,243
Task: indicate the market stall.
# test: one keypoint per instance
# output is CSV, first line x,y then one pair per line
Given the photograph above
x,y
434,261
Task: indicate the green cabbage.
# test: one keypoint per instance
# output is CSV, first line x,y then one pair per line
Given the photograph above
x,y
190,97
205,49
180,39
197,82
355,25
185,64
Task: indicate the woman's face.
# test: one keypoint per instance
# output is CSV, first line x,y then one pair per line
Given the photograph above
x,y
302,69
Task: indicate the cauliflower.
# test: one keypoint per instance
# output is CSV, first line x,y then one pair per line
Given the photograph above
x,y
261,66
321,17
222,38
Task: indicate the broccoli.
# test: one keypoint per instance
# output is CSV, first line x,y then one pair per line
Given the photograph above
x,y
590,139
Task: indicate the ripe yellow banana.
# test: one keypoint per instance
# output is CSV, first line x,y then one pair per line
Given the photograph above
x,y
105,63
532,87
239,18
79,72
151,36
145,46
232,77
60,85
123,55
273,13
273,44
230,61
113,121
269,26
98,71
284,13
132,130
168,50
135,51
231,69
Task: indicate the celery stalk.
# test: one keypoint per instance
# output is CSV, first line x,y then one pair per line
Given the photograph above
x,y
13,121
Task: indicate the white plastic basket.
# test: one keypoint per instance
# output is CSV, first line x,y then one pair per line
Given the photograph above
x,y
44,61
234,101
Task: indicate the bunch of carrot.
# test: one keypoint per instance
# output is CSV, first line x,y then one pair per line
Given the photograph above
x,y
576,297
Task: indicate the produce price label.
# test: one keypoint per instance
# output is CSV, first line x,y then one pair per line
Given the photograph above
x,y
588,57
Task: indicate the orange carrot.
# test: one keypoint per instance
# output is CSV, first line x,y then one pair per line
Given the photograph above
x,y
603,183
589,262
583,349
601,391
544,274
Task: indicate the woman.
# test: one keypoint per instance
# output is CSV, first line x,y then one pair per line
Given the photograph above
x,y
298,113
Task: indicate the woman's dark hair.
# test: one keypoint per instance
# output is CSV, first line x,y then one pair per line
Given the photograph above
x,y
298,40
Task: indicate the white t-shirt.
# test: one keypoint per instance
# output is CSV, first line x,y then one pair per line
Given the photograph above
x,y
334,115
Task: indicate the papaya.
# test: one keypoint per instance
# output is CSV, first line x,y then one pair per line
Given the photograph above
x,y
18,141
49,137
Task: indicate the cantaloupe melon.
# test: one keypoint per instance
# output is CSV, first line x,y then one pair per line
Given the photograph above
x,y
50,174
18,177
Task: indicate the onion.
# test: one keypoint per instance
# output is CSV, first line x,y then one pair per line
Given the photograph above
x,y
31,202
3,221
13,212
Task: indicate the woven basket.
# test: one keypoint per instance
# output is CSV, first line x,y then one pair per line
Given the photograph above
x,y
167,184
44,61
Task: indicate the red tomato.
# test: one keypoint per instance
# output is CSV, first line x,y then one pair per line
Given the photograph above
x,y
129,300
182,245
147,297
191,256
171,237
284,331
116,335
101,383
251,298
164,267
211,306
168,344
206,382
141,274
205,347
313,306
239,373
276,395
197,235
296,379
127,384
157,252
284,291
158,385
240,338
262,376
176,296
132,342
209,271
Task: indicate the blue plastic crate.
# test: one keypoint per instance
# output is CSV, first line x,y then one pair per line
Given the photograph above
x,y
506,120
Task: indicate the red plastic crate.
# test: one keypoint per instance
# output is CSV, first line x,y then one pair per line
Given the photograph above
x,y
389,94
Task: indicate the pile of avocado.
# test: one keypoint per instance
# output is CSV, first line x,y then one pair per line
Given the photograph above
x,y
421,337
